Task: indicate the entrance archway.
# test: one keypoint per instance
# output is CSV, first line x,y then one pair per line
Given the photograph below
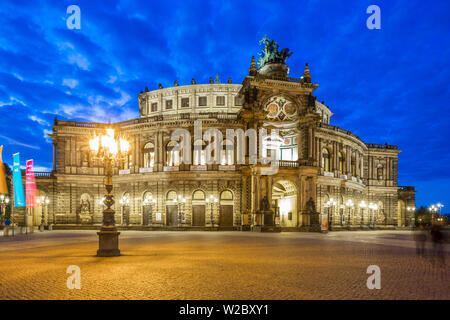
x,y
198,208
226,209
284,203
147,208
172,218
125,204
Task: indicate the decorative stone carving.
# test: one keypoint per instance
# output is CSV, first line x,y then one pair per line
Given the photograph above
x,y
85,209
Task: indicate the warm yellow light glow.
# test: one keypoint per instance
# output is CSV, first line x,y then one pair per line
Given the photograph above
x,y
110,132
285,206
124,145
94,143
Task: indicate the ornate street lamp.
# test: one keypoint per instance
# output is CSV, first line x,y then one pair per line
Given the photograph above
x,y
211,200
4,200
349,204
109,149
330,204
150,201
362,206
42,202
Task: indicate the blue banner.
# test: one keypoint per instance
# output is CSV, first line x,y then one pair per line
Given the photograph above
x,y
19,194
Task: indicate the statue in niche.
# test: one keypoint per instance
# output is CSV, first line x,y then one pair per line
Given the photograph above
x,y
265,206
313,214
310,206
85,213
85,207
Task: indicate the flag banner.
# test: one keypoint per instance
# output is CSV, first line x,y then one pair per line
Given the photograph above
x,y
30,185
19,194
3,187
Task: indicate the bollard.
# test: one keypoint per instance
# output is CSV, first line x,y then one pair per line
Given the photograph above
x,y
6,231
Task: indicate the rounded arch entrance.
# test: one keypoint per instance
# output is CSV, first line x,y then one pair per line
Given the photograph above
x,y
226,199
198,208
148,204
124,203
284,203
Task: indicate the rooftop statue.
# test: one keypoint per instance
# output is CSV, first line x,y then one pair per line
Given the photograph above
x,y
270,53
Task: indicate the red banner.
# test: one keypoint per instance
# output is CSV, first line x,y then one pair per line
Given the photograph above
x,y
30,185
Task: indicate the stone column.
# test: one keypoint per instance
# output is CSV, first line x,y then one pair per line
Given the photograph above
x,y
54,157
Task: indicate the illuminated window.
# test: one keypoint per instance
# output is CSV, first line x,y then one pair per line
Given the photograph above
x,y
326,160
149,155
341,163
226,195
198,195
173,154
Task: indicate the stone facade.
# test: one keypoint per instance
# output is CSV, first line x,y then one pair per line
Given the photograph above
x,y
326,174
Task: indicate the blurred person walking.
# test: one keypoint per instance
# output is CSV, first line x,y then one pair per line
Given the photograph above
x,y
420,237
437,238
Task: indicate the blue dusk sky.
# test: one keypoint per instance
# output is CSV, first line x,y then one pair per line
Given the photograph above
x,y
389,85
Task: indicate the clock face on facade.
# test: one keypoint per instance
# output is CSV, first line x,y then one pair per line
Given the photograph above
x,y
278,108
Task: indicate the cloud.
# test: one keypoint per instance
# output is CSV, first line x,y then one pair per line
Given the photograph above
x,y
17,143
71,83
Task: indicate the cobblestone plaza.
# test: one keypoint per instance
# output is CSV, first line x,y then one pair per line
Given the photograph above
x,y
220,265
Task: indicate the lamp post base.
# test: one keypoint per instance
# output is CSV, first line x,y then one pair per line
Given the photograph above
x,y
108,244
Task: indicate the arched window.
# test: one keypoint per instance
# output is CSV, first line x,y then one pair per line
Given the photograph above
x,y
326,160
199,152
198,195
149,155
227,153
173,154
226,195
125,200
341,162
171,195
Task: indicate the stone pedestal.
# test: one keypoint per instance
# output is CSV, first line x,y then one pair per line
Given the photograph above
x,y
314,222
108,244
275,69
